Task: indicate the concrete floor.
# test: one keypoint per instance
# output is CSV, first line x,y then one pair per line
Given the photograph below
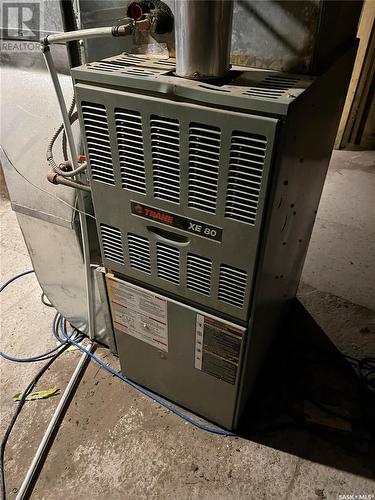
x,y
341,256
116,444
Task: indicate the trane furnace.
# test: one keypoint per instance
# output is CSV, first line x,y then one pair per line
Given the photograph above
x,y
205,196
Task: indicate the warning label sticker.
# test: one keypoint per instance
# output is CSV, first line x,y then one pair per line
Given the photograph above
x,y
217,348
141,314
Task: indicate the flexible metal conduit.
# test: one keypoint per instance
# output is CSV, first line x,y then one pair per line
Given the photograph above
x,y
49,152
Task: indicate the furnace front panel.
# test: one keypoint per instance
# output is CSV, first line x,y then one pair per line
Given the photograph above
x,y
179,192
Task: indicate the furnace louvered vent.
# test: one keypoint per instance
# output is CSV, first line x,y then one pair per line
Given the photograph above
x,y
111,65
133,58
112,243
130,147
264,93
272,87
199,271
279,82
124,63
139,253
115,63
232,286
168,263
204,159
140,72
165,144
246,163
124,69
98,143
165,62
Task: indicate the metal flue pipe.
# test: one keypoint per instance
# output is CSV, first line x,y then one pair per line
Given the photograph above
x,y
203,37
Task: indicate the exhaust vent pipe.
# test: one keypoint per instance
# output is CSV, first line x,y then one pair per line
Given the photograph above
x,y
203,36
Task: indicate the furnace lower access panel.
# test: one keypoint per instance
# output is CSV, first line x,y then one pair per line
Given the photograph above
x,y
177,351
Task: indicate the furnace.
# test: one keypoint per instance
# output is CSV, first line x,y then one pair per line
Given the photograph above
x,y
205,195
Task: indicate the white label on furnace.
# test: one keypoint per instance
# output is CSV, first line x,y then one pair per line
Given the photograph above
x,y
199,341
140,314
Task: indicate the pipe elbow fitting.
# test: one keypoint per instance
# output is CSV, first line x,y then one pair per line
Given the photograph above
x,y
124,29
51,177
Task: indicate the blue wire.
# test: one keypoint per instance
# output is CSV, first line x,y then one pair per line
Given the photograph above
x,y
2,287
37,357
146,392
40,357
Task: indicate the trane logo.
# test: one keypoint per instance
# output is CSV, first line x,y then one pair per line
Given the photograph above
x,y
199,228
153,214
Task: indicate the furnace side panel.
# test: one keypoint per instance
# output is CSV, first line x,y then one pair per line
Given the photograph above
x,y
306,143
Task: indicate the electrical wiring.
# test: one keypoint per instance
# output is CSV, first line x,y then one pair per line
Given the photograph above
x,y
364,368
14,278
364,371
38,357
46,355
20,405
55,327
49,152
51,161
32,359
44,190
146,392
